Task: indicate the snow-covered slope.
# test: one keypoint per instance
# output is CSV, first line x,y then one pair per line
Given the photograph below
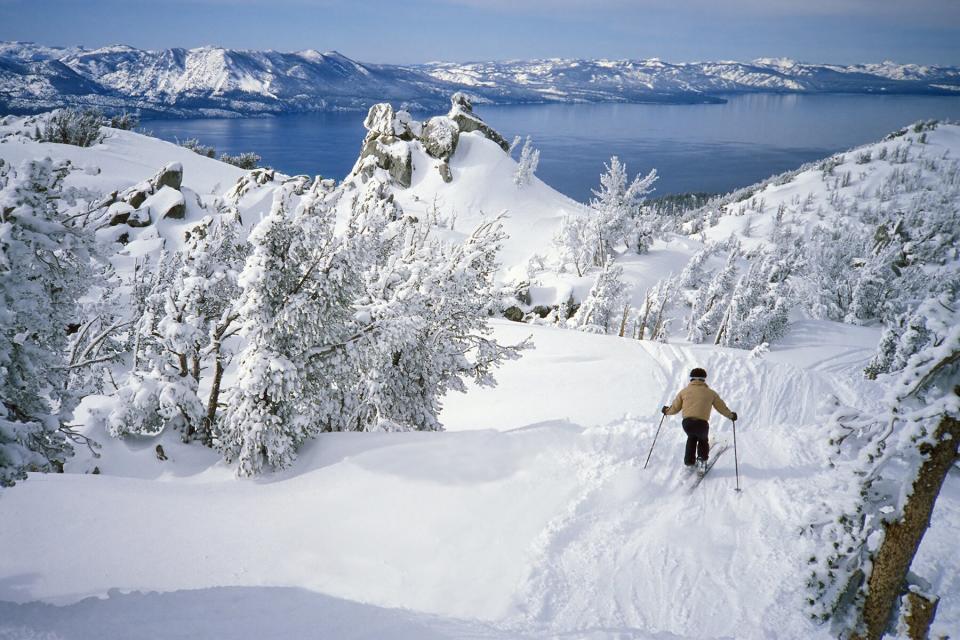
x,y
218,81
913,167
538,526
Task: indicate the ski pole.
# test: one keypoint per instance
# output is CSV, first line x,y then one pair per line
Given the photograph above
x,y
654,441
736,460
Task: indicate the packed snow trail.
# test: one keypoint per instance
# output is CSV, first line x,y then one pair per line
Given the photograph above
x,y
548,530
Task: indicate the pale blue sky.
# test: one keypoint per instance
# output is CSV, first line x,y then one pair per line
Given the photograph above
x,y
842,31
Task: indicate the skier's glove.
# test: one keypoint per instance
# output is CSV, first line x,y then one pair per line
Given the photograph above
x,y
664,409
734,416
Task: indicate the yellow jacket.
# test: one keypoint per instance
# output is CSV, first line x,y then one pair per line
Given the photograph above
x,y
696,401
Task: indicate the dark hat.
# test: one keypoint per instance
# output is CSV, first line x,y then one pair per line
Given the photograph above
x,y
698,374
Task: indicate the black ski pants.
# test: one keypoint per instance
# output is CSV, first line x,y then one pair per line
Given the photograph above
x,y
698,432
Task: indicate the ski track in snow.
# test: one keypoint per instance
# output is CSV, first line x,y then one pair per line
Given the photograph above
x,y
715,561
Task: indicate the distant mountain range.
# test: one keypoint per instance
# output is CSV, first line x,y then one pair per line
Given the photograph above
x,y
211,81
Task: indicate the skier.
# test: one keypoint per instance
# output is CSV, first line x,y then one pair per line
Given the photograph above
x,y
696,401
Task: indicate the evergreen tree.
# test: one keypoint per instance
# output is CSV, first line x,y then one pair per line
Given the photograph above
x,y
360,330
187,317
296,290
527,164
711,302
600,311
576,240
653,322
44,269
758,308
615,205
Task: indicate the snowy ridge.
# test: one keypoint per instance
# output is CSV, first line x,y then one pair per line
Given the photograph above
x,y
218,81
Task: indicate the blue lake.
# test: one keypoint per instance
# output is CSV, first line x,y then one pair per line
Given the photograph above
x,y
711,148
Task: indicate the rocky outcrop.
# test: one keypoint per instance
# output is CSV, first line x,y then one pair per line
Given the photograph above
x,y
153,199
386,143
461,112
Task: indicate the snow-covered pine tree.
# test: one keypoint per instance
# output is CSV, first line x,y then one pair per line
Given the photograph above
x,y
832,255
360,330
527,164
576,241
885,282
615,211
159,391
693,275
600,311
758,307
711,303
652,321
430,303
189,314
45,267
102,336
896,457
297,288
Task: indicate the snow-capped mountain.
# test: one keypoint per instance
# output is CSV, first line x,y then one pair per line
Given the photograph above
x,y
567,80
218,81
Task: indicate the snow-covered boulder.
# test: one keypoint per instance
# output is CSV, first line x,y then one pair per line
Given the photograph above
x,y
170,176
461,112
119,213
166,203
440,136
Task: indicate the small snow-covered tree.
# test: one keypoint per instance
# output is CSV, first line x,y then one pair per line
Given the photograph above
x,y
576,240
527,164
832,254
73,126
159,390
44,269
188,316
601,310
430,303
652,322
615,206
693,275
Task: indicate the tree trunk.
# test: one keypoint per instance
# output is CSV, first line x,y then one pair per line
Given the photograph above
x,y
723,327
646,314
623,321
213,401
920,617
902,537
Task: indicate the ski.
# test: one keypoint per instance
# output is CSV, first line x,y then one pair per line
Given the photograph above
x,y
721,449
